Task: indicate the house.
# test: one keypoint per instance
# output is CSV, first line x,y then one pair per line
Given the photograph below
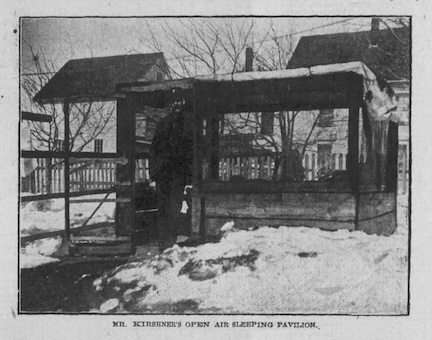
x,y
89,85
93,80
385,51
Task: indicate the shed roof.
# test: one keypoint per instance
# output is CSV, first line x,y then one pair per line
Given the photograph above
x,y
95,78
326,86
317,87
388,58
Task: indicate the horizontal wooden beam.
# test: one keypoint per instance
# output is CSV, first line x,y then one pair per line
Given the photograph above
x,y
266,186
125,184
97,200
25,199
56,233
62,154
99,239
36,117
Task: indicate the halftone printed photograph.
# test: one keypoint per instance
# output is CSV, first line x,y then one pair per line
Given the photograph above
x,y
215,165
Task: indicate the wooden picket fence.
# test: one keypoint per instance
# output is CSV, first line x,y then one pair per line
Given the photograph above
x,y
262,167
84,175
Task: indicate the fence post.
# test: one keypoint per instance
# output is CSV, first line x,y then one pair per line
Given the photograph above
x,y
269,166
66,166
307,166
314,167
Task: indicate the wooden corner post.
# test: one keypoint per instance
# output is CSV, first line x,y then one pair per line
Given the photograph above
x,y
125,205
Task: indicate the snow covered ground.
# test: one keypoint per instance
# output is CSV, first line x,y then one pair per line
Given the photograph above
x,y
269,270
48,215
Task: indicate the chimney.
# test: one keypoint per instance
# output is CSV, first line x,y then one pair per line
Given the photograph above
x,y
249,59
374,32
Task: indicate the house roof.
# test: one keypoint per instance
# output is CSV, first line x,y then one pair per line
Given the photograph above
x,y
95,78
389,58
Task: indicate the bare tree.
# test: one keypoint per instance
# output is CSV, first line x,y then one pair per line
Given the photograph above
x,y
206,46
200,46
87,120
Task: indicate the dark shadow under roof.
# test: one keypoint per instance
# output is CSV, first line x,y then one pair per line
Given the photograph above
x,y
388,58
95,78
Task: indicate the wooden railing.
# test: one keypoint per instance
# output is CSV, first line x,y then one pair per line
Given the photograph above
x,y
84,175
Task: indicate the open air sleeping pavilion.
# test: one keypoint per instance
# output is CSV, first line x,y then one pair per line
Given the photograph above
x,y
243,180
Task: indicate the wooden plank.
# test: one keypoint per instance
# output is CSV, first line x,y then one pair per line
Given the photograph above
x,y
90,200
196,212
100,239
391,167
66,166
248,165
101,250
101,183
403,171
380,225
318,206
213,224
269,167
125,211
375,204
353,148
36,117
62,194
56,233
77,155
269,186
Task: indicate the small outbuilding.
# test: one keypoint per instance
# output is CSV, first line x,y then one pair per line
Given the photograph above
x,y
360,195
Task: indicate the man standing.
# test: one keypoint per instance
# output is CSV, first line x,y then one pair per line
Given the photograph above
x,y
171,160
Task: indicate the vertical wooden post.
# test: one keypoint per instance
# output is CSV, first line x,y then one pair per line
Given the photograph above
x,y
249,59
125,211
66,168
197,201
391,179
353,149
355,95
212,144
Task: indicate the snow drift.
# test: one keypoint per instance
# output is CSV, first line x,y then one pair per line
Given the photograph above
x,y
268,270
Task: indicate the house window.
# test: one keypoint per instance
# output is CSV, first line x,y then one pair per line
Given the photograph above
x,y
326,118
141,126
267,123
59,145
98,145
159,76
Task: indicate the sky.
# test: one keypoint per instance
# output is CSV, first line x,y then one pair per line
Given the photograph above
x,y
62,39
